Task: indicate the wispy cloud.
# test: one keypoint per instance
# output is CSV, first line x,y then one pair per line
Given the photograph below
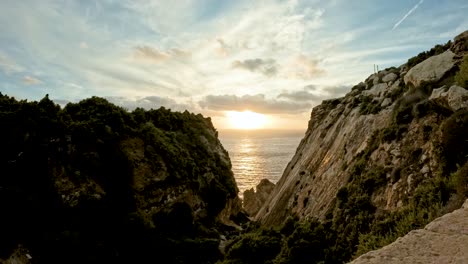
x,y
408,14
266,66
29,80
257,103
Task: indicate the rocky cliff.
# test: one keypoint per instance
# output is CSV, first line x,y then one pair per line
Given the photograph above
x,y
94,183
388,157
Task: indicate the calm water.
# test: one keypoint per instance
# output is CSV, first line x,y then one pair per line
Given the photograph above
x,y
256,155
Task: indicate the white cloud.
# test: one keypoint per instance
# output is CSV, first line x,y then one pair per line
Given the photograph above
x,y
8,66
29,80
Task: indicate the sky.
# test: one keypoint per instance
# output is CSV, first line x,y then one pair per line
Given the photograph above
x,y
276,58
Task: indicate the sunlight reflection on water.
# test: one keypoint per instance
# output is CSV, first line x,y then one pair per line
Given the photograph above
x,y
256,155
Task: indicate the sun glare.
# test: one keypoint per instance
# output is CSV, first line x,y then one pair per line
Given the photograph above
x,y
246,120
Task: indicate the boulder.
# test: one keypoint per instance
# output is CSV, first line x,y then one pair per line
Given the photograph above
x,y
430,70
386,102
390,77
253,201
455,98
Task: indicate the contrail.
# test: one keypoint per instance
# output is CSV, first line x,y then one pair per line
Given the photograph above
x,y
407,14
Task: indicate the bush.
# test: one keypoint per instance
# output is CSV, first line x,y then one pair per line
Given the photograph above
x,y
462,75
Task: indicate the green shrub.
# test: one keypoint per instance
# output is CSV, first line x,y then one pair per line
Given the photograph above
x,y
369,106
462,75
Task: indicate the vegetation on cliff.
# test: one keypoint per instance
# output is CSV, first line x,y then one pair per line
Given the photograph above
x,y
94,183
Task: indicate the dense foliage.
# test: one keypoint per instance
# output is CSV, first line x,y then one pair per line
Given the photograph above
x,y
74,188
462,76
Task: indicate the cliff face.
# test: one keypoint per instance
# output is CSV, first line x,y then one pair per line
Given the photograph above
x,y
95,183
399,129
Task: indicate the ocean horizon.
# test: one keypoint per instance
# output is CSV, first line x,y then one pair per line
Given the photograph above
x,y
259,154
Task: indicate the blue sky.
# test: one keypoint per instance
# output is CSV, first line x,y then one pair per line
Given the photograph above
x,y
278,58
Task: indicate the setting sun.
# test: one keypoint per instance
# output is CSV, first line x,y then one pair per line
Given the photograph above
x,y
246,120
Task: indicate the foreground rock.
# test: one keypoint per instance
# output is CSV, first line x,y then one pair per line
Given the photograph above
x,y
430,70
444,240
253,200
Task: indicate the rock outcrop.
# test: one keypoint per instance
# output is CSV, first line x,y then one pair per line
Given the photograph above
x,y
253,200
430,70
444,240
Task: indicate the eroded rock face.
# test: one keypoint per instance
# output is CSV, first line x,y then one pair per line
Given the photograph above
x,y
444,240
430,70
407,123
253,200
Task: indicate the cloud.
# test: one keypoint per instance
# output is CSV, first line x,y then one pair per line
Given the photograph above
x,y
222,49
148,102
311,93
256,103
303,67
407,14
8,66
267,67
149,54
83,45
300,96
146,53
28,80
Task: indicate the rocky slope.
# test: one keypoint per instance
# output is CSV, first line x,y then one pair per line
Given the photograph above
x,y
444,240
94,183
340,130
254,199
385,159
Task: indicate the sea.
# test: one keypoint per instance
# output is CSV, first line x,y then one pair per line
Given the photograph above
x,y
259,154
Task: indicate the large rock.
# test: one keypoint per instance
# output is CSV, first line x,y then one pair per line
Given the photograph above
x,y
390,77
455,98
430,70
253,201
444,240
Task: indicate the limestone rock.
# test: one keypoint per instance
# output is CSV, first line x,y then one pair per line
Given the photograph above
x,y
386,102
377,90
253,201
430,70
391,77
455,98
444,240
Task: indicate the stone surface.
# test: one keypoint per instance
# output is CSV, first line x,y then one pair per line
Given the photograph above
x,y
253,200
386,102
390,77
455,97
430,70
444,240
376,90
